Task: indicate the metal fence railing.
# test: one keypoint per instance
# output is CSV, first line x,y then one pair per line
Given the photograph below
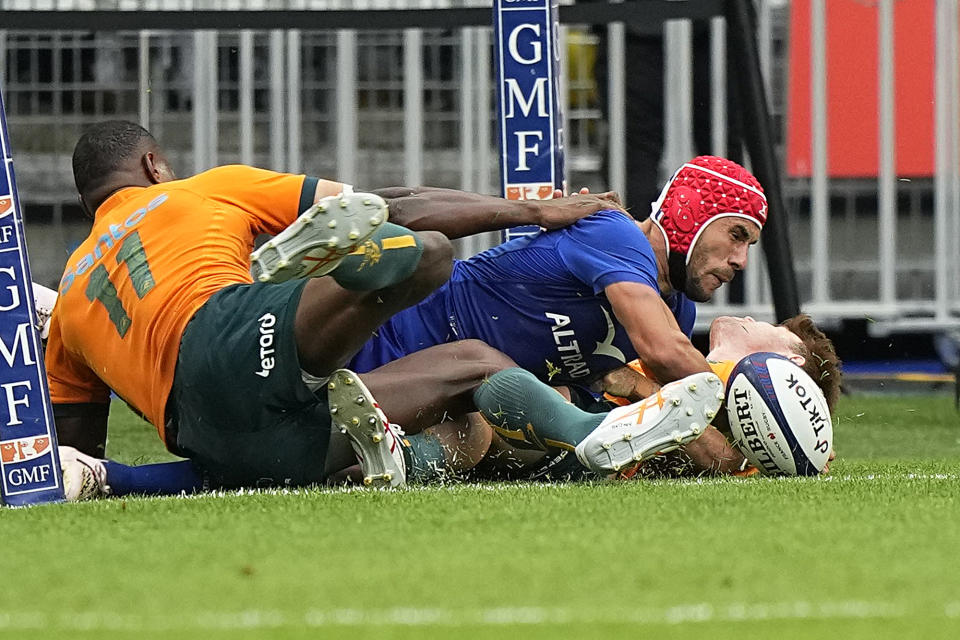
x,y
403,106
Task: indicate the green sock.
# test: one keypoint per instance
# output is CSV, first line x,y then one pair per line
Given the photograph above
x,y
424,457
526,411
390,256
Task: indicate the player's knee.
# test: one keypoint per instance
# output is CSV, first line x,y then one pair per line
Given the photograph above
x,y
436,261
481,359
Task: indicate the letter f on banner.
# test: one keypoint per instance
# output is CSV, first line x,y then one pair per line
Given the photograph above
x,y
29,463
527,55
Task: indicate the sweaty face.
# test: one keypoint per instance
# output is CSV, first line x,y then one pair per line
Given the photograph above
x,y
719,252
735,338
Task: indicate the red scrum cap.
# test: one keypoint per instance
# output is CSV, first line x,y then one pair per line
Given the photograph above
x,y
703,190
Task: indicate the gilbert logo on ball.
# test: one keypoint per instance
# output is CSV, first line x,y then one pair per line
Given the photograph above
x,y
29,465
778,416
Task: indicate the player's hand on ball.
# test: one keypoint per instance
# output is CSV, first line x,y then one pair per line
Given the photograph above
x,y
826,467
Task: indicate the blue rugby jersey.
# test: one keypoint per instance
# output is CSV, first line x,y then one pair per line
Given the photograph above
x,y
538,299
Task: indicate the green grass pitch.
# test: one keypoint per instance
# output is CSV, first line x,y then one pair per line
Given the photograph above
x,y
871,551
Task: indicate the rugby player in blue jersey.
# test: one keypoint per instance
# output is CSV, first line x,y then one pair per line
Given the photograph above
x,y
575,302
730,340
572,304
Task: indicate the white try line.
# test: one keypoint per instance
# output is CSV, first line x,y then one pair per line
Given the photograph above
x,y
494,487
869,477
246,619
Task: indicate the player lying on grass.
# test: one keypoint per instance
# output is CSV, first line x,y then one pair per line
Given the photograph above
x,y
636,268
157,306
606,442
572,304
731,339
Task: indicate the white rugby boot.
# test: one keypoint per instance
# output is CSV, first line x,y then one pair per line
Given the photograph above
x,y
84,477
677,414
44,300
376,442
320,238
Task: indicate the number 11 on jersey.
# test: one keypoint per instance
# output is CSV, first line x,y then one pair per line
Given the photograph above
x,y
101,288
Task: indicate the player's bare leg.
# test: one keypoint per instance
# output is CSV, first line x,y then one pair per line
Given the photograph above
x,y
433,385
431,390
376,268
332,322
464,442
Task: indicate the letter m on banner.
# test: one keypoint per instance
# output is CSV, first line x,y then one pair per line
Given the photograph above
x,y
29,463
531,123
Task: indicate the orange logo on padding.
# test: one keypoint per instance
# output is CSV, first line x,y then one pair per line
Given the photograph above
x,y
20,450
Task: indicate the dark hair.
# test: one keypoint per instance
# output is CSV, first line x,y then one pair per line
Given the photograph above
x,y
822,363
103,149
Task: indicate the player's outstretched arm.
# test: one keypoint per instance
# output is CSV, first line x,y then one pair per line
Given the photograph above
x,y
457,214
82,426
654,333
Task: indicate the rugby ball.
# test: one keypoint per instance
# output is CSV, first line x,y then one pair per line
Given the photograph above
x,y
778,416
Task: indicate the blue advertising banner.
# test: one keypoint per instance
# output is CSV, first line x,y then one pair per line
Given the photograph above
x,y
527,53
29,463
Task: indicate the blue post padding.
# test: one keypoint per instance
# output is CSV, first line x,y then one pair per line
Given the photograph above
x,y
29,462
527,57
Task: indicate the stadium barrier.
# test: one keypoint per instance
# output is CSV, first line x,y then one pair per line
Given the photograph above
x,y
338,100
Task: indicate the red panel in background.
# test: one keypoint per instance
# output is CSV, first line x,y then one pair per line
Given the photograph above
x,y
852,84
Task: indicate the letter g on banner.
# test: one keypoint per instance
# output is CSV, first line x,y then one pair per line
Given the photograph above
x,y
26,418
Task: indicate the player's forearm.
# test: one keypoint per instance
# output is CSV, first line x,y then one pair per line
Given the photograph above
x,y
83,427
456,214
666,352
